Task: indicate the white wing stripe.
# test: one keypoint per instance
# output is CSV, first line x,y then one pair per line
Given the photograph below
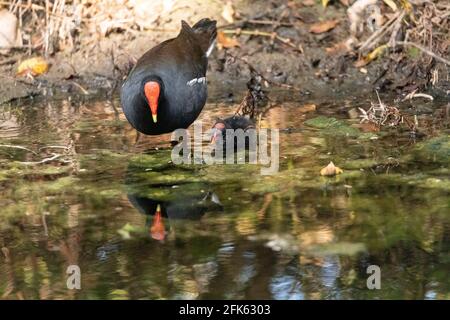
x,y
196,80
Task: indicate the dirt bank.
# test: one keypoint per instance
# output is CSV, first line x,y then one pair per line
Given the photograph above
x,y
275,38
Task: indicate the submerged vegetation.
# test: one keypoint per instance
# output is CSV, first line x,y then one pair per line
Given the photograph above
x,y
228,231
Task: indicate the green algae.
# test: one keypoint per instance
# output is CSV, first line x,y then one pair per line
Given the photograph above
x,y
333,126
434,150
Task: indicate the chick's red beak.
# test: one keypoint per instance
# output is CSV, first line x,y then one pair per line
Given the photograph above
x,y
215,133
152,90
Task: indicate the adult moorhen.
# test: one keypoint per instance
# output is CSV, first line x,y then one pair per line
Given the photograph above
x,y
166,90
184,207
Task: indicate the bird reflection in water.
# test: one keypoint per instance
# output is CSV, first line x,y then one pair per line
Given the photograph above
x,y
183,207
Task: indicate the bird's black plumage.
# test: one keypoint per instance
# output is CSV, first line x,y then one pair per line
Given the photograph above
x,y
173,64
231,124
236,122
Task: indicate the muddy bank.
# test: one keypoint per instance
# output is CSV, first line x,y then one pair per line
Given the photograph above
x,y
97,63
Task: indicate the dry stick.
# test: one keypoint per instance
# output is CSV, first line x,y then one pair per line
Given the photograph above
x,y
407,43
269,22
45,160
17,147
396,29
379,33
8,61
286,41
53,147
83,90
243,22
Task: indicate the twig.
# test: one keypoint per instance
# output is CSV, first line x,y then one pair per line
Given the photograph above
x,y
269,22
413,95
407,43
373,39
272,35
8,61
83,90
53,147
45,160
17,147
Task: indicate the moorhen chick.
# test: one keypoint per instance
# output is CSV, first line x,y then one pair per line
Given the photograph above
x,y
250,108
234,122
166,89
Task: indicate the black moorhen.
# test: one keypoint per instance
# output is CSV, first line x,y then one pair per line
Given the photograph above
x,y
184,207
166,90
234,122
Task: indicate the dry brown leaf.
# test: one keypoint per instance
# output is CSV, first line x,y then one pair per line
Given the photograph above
x,y
308,108
391,4
226,42
309,3
9,37
33,66
371,56
369,127
339,48
323,26
406,5
345,2
228,12
330,170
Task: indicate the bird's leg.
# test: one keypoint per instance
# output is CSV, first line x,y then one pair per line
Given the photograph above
x,y
136,141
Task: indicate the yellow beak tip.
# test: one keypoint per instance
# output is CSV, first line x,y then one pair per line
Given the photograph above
x,y
155,119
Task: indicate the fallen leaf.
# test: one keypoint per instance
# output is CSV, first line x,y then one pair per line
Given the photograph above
x,y
33,66
369,127
226,42
308,107
309,3
8,35
339,48
371,56
324,26
345,2
325,3
406,5
330,170
126,230
228,12
391,4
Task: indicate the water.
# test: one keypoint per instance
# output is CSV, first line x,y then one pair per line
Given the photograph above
x,y
223,232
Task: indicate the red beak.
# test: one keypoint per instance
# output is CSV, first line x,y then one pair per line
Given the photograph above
x,y
157,230
216,132
152,90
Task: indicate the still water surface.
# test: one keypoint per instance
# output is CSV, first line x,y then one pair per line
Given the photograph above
x,y
140,227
